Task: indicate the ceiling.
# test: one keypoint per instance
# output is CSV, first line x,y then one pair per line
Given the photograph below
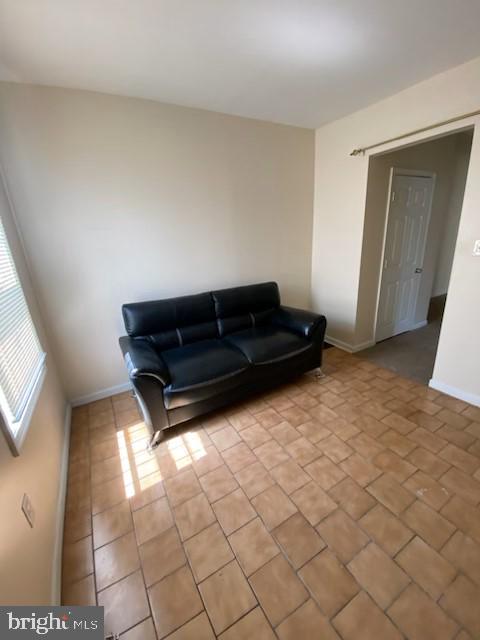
x,y
300,62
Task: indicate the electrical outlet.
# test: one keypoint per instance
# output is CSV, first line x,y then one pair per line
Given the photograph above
x,y
476,248
28,510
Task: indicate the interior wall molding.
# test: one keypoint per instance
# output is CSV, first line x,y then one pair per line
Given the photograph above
x,y
102,393
56,594
471,398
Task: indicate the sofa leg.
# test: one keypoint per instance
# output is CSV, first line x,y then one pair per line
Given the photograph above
x,y
319,373
156,439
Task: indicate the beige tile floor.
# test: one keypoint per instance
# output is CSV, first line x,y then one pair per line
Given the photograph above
x,y
345,507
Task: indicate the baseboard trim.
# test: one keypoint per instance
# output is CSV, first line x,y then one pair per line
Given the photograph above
x,y
99,395
471,398
56,595
350,348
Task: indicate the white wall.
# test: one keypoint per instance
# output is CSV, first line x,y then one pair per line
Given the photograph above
x,y
448,241
446,157
122,199
28,560
340,193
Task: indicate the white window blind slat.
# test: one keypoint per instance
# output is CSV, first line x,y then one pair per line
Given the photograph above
x,y
21,355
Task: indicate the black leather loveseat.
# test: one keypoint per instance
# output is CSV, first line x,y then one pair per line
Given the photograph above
x,y
187,356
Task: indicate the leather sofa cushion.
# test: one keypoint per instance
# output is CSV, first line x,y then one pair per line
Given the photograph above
x,y
172,322
263,345
200,370
245,307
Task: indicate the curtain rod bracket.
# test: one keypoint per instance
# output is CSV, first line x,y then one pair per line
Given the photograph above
x,y
358,152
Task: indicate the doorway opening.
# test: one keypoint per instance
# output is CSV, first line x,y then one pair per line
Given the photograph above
x,y
413,207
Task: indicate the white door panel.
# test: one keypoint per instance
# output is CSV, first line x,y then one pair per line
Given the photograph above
x,y
407,225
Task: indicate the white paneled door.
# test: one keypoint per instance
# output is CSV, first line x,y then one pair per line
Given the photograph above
x,y
405,240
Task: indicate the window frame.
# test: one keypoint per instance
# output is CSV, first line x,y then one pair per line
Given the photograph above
x,y
15,431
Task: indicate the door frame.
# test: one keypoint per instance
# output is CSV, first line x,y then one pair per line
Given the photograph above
x,y
394,171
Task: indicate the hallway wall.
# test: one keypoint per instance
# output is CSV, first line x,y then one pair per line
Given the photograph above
x,y
446,158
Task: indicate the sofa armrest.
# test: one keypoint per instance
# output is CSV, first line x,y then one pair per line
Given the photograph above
x,y
304,323
143,361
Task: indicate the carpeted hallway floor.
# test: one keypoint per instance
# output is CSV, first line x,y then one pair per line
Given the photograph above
x,y
411,354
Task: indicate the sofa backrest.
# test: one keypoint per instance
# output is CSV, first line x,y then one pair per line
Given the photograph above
x,y
172,322
245,307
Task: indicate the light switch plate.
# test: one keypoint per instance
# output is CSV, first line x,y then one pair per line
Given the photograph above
x,y
28,510
476,248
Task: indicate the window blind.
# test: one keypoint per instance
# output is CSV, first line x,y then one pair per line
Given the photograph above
x,y
21,356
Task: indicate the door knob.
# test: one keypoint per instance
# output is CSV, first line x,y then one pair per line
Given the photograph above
x,y
418,270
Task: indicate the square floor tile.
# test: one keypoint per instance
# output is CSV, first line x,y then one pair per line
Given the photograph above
x,y
462,484
80,593
181,487
233,511
151,489
77,560
143,631
464,553
193,515
391,494
335,449
218,483
116,560
460,458
253,625
342,535
391,463
107,494
207,460
152,520
225,438
352,498
199,628
273,506
303,451
174,601
306,622
429,525
378,574
227,596
419,617
271,454
361,619
238,457
208,551
428,462
255,435
460,601
284,433
298,539
254,479
253,546
362,471
290,476
313,502
464,516
125,603
428,490
325,472
386,529
161,555
112,523
426,566
328,582
278,589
